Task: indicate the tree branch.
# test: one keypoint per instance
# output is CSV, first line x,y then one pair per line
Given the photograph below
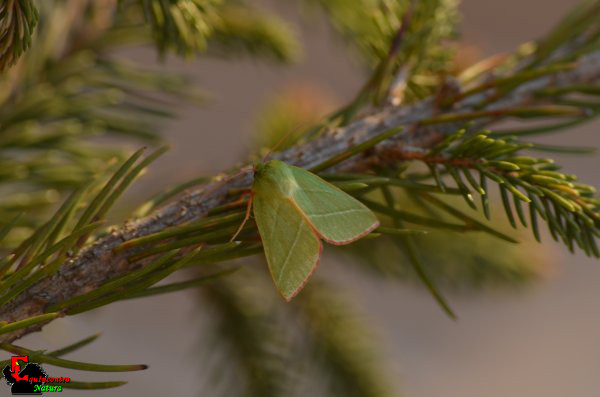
x,y
425,124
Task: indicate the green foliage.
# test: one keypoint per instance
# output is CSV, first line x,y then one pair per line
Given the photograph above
x,y
579,26
224,28
42,254
342,346
17,23
399,34
284,118
186,27
70,90
372,25
570,209
180,25
261,347
59,100
457,259
248,343
241,29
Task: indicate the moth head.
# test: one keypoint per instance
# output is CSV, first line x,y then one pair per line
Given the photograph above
x,y
258,167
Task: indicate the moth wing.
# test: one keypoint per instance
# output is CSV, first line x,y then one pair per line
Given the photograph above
x,y
337,217
291,246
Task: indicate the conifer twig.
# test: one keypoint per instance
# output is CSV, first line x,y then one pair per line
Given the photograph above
x,y
425,125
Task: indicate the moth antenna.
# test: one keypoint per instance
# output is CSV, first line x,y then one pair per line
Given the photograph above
x,y
264,159
285,136
246,217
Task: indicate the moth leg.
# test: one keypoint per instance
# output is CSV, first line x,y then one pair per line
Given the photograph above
x,y
248,209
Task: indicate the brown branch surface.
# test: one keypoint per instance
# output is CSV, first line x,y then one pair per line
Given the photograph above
x,y
98,263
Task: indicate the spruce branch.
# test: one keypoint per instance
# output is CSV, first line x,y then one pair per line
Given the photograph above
x,y
241,28
68,91
388,134
341,344
261,346
190,27
249,343
180,25
71,88
97,264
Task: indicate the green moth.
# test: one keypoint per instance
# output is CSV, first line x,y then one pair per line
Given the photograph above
x,y
294,210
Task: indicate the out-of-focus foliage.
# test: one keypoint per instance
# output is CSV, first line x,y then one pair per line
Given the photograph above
x,y
342,344
181,25
418,33
243,29
227,28
64,95
249,340
372,25
71,91
285,118
260,346
458,260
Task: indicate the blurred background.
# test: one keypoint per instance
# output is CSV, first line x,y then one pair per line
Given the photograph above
x,y
539,340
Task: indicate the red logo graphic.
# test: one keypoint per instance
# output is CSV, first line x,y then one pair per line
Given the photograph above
x,y
31,379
